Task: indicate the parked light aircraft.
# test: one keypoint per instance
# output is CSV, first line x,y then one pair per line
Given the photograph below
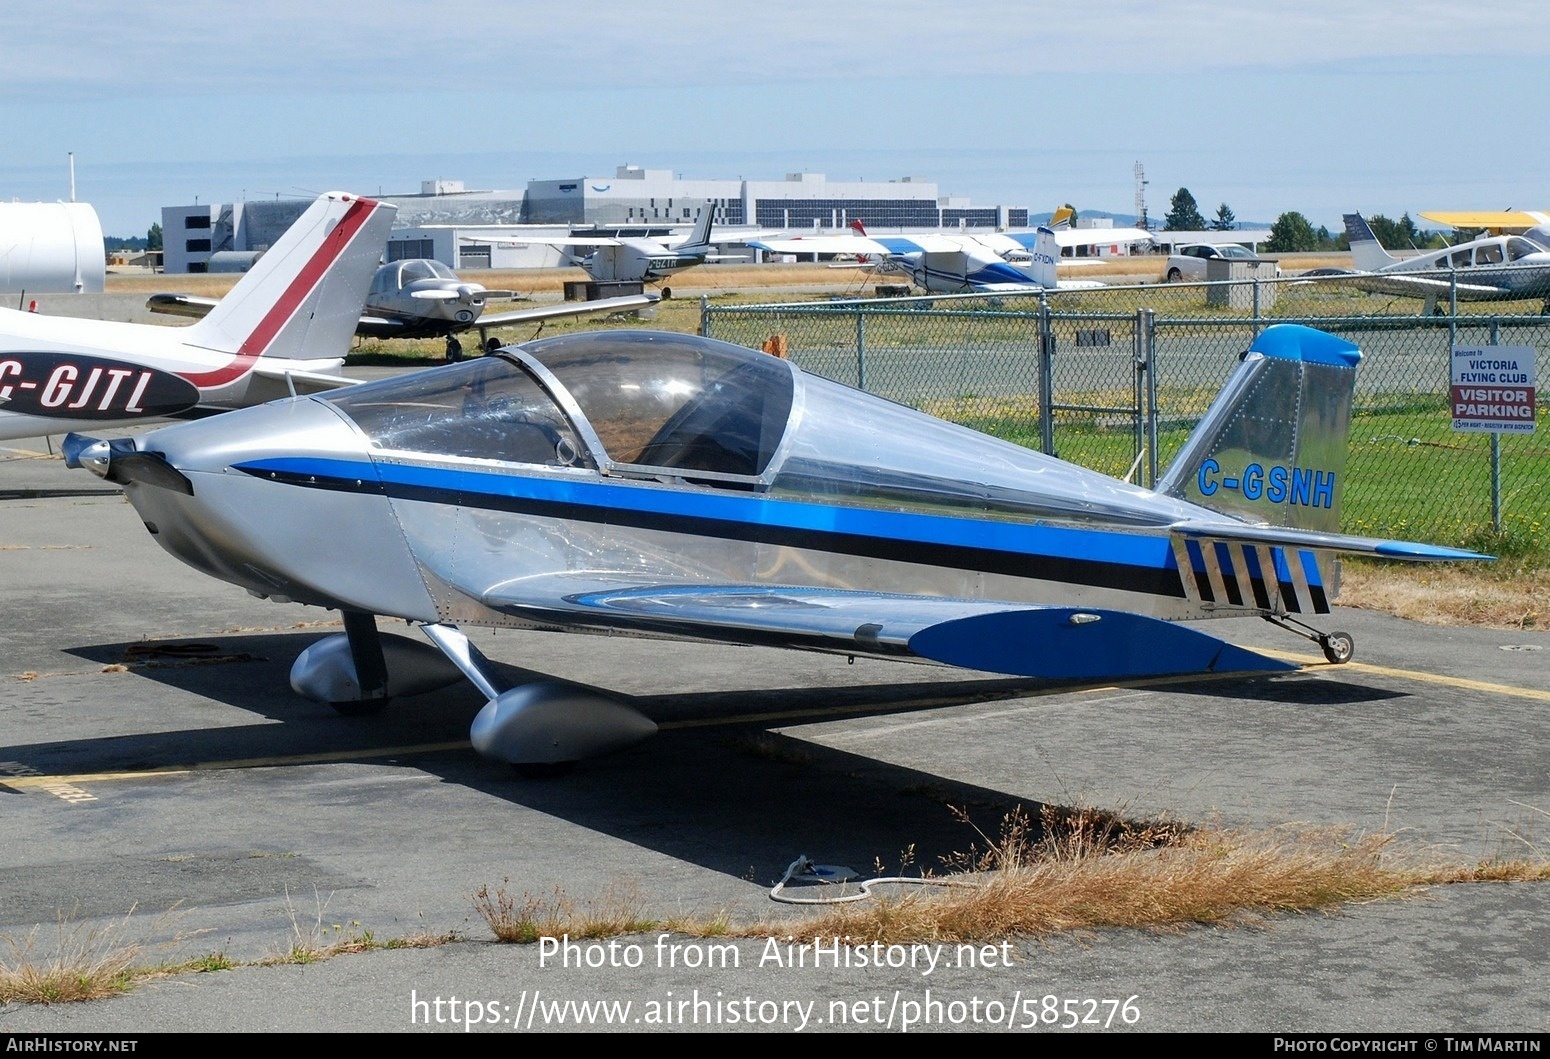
x,y
944,264
1496,268
285,327
422,298
675,486
1533,223
616,259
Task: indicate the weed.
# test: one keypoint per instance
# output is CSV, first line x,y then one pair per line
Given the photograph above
x,y
84,962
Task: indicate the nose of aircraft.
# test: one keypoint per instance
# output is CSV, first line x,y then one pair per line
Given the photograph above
x,y
281,499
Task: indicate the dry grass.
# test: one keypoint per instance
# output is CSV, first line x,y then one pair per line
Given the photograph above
x,y
82,961
618,910
1498,596
1074,870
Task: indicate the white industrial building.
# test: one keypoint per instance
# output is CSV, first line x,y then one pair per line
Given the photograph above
x,y
440,220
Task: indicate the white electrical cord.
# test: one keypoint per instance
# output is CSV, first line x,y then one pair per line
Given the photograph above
x,y
804,870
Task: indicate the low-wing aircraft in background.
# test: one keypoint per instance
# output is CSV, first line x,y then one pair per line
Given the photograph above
x,y
284,328
669,485
943,264
422,298
621,259
1496,268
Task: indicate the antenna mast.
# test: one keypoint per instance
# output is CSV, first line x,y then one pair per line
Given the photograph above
x,y
1141,221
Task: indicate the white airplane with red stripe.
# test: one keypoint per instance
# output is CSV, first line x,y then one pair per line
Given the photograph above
x,y
284,328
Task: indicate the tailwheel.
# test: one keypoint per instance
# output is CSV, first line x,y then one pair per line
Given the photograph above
x,y
1338,647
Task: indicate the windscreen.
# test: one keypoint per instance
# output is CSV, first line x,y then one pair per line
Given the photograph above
x,y
489,408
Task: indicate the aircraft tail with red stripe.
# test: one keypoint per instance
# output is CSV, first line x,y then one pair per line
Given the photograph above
x,y
303,298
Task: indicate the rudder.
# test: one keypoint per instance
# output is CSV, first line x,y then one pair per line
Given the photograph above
x,y
1272,447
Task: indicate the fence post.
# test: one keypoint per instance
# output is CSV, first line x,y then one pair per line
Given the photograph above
x,y
704,316
1150,351
860,349
1256,302
1046,378
1496,454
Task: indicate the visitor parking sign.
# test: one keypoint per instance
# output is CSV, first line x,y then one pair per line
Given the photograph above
x,y
1493,388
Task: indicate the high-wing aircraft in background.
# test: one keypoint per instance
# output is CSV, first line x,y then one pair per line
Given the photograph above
x,y
669,485
284,328
1496,268
620,259
1069,237
422,298
943,264
1534,224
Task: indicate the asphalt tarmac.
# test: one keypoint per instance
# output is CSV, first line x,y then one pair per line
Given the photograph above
x,y
154,759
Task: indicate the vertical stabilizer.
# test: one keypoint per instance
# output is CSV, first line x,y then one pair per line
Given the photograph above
x,y
1367,254
304,296
1272,447
699,239
1045,255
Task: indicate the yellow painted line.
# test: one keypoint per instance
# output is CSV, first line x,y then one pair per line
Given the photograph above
x,y
322,758
1463,683
902,705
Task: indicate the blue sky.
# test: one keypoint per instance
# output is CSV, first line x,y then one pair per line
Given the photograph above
x,y
1320,106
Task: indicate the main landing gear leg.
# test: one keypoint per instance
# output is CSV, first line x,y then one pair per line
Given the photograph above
x,y
1338,647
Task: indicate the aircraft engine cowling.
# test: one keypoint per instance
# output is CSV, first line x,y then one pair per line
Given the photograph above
x,y
549,722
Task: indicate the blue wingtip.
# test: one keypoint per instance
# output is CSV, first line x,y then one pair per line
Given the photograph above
x,y
1296,342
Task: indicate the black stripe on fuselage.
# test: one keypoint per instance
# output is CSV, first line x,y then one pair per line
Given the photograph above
x,y
1094,572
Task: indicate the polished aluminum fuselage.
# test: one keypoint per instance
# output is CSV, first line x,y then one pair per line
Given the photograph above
x,y
296,501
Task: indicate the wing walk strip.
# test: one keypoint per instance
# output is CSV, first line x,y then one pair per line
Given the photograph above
x,y
22,783
1240,574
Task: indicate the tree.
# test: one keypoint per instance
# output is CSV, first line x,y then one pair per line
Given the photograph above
x,y
1291,233
153,237
1225,220
1183,214
1394,235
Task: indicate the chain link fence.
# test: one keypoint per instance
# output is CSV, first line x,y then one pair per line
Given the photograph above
x,y
1116,378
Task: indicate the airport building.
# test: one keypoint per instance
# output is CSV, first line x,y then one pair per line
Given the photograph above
x,y
227,236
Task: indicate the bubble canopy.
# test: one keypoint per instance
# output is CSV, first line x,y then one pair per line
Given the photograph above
x,y
711,414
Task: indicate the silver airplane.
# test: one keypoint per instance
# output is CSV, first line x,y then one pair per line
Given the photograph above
x,y
625,259
1496,268
422,298
669,485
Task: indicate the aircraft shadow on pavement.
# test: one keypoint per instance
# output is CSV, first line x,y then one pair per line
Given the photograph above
x,y
710,789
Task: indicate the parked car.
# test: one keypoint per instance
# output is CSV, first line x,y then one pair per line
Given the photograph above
x,y
1188,265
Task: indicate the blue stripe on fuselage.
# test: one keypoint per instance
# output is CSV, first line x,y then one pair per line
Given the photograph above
x,y
1143,554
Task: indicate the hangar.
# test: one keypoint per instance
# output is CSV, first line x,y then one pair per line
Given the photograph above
x,y
632,196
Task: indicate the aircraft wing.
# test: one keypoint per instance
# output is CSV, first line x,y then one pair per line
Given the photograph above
x,y
1068,237
542,240
1422,286
1049,642
190,305
562,309
823,244
1495,220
